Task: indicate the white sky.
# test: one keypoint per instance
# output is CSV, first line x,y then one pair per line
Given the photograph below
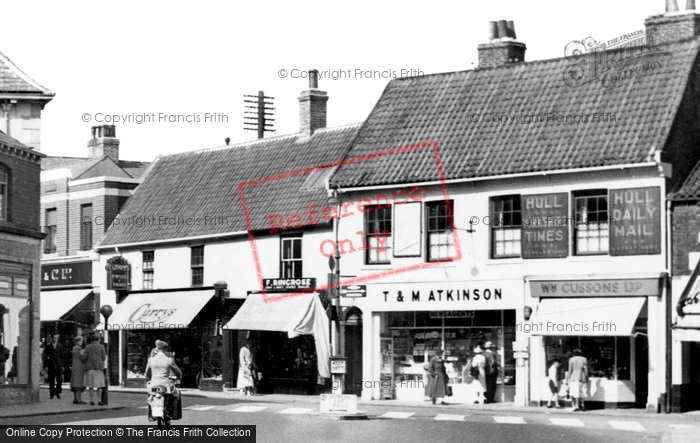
x,y
196,57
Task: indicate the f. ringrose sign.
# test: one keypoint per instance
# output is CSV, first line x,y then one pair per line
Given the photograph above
x,y
118,274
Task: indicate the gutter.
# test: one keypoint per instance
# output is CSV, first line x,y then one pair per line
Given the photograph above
x,y
172,240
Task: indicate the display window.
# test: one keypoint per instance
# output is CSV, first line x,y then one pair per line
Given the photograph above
x,y
417,335
608,357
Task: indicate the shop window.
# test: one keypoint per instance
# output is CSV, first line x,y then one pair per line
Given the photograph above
x,y
506,223
4,186
441,244
608,357
15,292
85,227
378,233
291,262
591,222
197,265
147,267
50,229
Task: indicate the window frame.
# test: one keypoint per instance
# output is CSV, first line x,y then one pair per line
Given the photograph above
x,y
147,268
4,193
197,265
498,225
50,246
293,260
378,225
448,219
86,227
587,194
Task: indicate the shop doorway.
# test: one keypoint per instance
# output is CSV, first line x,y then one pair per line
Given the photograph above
x,y
353,352
641,369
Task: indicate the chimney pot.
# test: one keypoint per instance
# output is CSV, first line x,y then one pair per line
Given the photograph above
x,y
493,30
313,78
690,5
502,29
227,140
671,6
511,29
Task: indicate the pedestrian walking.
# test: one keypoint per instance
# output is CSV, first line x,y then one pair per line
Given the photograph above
x,y
437,381
491,370
77,373
4,356
426,381
94,366
479,383
53,362
578,380
245,369
553,374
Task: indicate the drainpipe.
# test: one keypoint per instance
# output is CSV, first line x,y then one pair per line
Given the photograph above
x,y
669,309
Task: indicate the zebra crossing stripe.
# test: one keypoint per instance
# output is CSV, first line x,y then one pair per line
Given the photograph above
x,y
627,426
510,420
199,408
296,411
449,417
573,422
402,415
248,409
683,426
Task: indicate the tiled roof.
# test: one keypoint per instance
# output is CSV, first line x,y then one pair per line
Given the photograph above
x,y
9,141
441,107
204,185
13,80
690,188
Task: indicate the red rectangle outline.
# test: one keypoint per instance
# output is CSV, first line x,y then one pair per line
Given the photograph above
x,y
355,280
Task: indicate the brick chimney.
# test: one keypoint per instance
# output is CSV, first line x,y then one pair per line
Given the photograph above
x,y
312,106
104,142
503,47
673,25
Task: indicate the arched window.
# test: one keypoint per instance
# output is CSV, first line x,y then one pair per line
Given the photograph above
x,y
4,191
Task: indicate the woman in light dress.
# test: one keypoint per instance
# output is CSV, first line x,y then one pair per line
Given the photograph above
x,y
245,370
478,385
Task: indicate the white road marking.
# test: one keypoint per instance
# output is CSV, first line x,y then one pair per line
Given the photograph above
x,y
627,426
573,422
510,420
296,411
248,409
683,426
449,417
199,408
397,415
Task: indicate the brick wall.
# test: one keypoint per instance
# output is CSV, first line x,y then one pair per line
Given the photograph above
x,y
686,226
501,53
312,111
24,192
672,27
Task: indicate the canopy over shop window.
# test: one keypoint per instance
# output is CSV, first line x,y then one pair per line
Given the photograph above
x,y
602,317
295,315
55,304
688,327
159,310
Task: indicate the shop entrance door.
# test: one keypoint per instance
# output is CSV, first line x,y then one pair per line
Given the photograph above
x,y
641,368
353,350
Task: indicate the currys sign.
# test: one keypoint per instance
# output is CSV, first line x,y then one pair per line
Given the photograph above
x,y
145,314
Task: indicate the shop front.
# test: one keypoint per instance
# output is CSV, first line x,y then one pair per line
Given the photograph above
x,y
412,321
608,320
189,321
289,336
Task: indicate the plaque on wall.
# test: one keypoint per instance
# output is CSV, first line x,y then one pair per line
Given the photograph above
x,y
635,221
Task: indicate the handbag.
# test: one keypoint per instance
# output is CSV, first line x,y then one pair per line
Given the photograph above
x,y
448,391
474,371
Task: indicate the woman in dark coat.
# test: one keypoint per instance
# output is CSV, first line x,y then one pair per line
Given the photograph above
x,y
77,372
437,379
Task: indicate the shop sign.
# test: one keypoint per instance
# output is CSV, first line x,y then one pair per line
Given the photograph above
x,y
147,314
66,274
451,314
336,403
118,274
641,287
354,291
451,295
337,365
289,284
635,223
545,225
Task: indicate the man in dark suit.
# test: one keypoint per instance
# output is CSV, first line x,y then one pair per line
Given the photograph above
x,y
491,372
53,362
